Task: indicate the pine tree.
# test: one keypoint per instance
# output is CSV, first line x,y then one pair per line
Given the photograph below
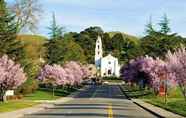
x,y
56,31
8,43
164,24
149,27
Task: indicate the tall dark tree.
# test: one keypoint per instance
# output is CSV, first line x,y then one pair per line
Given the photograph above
x,y
8,33
164,25
157,43
56,31
149,27
60,51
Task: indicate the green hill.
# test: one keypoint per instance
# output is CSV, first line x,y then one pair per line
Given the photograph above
x,y
33,46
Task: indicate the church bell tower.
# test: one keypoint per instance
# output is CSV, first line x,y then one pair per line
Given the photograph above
x,y
98,53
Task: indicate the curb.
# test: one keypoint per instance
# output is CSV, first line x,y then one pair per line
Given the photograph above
x,y
152,112
145,108
124,92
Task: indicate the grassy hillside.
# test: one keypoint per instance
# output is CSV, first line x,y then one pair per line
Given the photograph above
x,y
33,46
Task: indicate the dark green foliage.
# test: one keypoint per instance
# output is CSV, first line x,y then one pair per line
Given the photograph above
x,y
149,27
157,44
86,39
164,24
30,86
107,44
113,42
124,47
56,31
8,43
60,51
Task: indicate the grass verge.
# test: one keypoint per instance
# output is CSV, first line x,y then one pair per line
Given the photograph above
x,y
47,94
175,102
29,100
15,105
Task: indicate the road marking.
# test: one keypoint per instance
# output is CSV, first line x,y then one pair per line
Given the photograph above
x,y
110,112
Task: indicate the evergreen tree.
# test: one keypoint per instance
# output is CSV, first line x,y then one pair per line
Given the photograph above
x,y
56,31
8,42
149,27
164,24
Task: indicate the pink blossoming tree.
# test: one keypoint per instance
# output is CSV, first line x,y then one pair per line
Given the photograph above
x,y
177,66
12,75
154,71
72,73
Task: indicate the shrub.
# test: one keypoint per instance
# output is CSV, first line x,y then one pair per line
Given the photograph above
x,y
28,87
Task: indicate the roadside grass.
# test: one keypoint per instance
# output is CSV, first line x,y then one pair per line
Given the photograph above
x,y
47,94
15,105
30,99
175,101
176,105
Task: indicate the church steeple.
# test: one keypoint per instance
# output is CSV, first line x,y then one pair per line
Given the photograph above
x,y
98,52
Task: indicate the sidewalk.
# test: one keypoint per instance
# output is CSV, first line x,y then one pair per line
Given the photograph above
x,y
156,110
44,104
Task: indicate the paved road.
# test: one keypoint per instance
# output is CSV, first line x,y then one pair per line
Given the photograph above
x,y
104,101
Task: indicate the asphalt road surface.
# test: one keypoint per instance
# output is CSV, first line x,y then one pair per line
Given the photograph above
x,y
103,101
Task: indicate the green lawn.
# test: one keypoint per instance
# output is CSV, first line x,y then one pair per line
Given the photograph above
x,y
175,100
40,95
29,100
176,105
47,94
15,105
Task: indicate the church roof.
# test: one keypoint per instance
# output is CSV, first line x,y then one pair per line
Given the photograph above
x,y
109,56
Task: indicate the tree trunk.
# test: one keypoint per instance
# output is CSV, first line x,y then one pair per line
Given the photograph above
x,y
53,91
3,96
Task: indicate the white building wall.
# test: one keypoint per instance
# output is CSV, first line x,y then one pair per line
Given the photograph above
x,y
98,52
109,63
105,63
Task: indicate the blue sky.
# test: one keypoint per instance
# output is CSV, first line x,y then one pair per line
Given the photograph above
x,y
128,16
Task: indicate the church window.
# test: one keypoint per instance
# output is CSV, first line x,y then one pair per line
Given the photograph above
x,y
109,62
98,46
98,53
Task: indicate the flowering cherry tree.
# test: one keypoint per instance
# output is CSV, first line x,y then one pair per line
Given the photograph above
x,y
76,70
12,75
154,71
86,72
55,74
72,73
177,67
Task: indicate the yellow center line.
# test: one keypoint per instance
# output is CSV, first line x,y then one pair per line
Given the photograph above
x,y
110,112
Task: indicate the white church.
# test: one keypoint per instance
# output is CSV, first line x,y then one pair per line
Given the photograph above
x,y
108,65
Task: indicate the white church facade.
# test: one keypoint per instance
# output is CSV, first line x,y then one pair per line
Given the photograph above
x,y
108,65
